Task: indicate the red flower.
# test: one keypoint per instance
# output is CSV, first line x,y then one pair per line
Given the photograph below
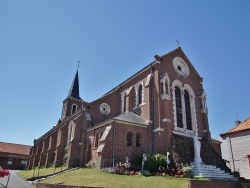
x,y
3,173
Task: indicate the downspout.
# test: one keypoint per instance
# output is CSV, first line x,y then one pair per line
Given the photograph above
x,y
152,110
231,153
113,146
113,140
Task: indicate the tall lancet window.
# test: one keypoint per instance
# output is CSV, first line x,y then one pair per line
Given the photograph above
x,y
178,103
124,102
140,94
129,139
188,110
124,107
138,140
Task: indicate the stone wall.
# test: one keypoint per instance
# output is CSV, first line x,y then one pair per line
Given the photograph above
x,y
190,184
181,149
210,157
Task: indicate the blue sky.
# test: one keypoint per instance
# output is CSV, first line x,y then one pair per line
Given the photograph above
x,y
42,41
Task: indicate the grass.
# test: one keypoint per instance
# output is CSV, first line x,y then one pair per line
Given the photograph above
x,y
93,177
40,172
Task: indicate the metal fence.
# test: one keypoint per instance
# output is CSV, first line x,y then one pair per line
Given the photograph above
x,y
56,167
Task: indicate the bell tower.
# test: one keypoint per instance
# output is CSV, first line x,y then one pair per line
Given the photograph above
x,y
73,102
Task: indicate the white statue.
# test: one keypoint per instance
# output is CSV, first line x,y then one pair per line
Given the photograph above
x,y
203,98
197,150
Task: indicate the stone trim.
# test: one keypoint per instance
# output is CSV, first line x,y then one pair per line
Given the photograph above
x,y
166,120
184,87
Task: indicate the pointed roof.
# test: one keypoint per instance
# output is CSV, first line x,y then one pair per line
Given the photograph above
x,y
241,127
74,90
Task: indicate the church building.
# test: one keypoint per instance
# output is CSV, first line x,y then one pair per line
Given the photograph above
x,y
160,109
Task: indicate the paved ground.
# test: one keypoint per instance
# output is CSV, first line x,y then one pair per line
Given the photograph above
x,y
15,181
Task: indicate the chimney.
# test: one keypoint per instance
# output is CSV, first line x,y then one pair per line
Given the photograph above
x,y
237,122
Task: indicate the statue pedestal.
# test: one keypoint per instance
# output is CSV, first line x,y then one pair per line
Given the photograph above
x,y
197,161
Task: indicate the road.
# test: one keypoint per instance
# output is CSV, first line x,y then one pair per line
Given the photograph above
x,y
15,181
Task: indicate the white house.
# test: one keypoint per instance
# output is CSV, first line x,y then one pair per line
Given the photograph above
x,y
235,148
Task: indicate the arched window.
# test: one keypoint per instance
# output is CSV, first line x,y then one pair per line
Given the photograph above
x,y
124,103
166,87
184,107
178,107
188,110
138,140
140,94
74,108
129,139
96,140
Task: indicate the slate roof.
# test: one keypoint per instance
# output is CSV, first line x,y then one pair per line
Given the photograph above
x,y
14,148
74,89
131,117
241,127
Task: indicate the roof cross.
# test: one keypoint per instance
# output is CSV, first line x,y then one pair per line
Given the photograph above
x,y
78,64
178,42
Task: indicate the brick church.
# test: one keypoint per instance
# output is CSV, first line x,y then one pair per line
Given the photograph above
x,y
157,110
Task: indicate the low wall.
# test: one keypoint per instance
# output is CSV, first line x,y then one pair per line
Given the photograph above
x,y
212,184
46,185
190,184
245,183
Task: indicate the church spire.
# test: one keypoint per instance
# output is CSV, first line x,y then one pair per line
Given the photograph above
x,y
74,90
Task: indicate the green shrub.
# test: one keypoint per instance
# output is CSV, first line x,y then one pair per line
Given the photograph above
x,y
155,161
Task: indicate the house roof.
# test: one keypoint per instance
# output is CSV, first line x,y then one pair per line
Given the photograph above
x,y
14,148
241,127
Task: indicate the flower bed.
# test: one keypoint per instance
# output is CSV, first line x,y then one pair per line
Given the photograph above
x,y
151,165
4,172
122,170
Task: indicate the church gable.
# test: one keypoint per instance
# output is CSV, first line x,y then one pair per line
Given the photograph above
x,y
177,60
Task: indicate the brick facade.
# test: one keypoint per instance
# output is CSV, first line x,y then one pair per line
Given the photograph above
x,y
138,116
13,156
